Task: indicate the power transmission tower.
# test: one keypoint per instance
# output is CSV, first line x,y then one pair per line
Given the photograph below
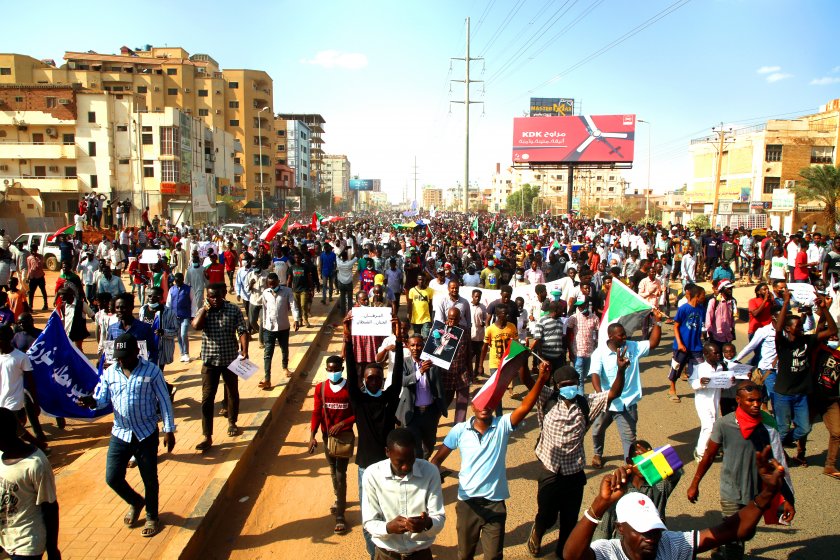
x,y
415,180
466,101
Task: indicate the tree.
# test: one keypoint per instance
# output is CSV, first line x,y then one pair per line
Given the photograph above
x,y
589,210
515,200
820,183
621,212
700,222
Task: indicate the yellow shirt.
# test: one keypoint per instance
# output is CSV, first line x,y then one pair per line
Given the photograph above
x,y
421,304
498,340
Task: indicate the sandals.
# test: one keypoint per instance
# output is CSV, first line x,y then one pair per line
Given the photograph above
x,y
674,397
597,462
150,529
232,431
835,474
340,525
133,514
534,542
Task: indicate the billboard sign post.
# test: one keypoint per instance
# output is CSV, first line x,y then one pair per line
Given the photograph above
x,y
552,106
361,184
574,139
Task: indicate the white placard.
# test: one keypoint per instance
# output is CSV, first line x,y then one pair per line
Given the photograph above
x,y
371,321
108,350
722,380
741,371
802,293
243,368
149,256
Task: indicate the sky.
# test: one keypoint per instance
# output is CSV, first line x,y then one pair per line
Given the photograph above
x,y
379,72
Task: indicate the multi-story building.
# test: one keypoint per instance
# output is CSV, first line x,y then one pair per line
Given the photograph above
x,y
432,197
336,177
58,142
758,167
239,101
595,191
294,150
315,129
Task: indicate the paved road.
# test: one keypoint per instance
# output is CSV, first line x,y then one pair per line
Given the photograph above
x,y
282,509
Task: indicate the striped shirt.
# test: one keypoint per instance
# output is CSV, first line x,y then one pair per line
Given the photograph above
x,y
673,545
551,332
136,400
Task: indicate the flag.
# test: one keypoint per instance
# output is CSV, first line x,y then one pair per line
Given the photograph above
x,y
490,394
623,306
492,227
66,230
62,373
474,229
279,225
432,211
316,221
659,464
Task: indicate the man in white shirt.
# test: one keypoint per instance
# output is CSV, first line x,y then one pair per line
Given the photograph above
x,y
688,267
277,301
402,506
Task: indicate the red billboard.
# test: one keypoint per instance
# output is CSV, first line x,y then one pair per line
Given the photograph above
x,y
584,138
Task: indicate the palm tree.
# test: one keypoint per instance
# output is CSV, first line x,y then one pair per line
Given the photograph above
x,y
820,183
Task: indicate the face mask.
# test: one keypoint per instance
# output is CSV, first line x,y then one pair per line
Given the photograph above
x,y
196,265
569,392
833,344
376,394
276,289
520,276
154,306
334,376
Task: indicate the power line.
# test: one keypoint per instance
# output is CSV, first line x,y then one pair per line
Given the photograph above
x,y
502,26
481,19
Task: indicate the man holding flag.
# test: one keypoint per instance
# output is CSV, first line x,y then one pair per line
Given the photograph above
x,y
482,483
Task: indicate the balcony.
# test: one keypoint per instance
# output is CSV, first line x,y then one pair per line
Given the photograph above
x,y
49,184
53,150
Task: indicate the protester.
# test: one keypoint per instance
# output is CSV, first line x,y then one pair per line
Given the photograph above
x,y
179,300
278,302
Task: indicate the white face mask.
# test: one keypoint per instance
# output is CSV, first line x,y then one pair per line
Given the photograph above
x,y
833,344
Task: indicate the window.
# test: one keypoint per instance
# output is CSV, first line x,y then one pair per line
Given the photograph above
x,y
147,129
170,141
124,162
233,104
122,128
68,138
40,170
142,89
234,122
773,152
91,116
822,154
771,184
92,149
281,161
70,172
612,177
94,181
148,168
51,102
237,179
236,160
37,138
281,147
171,71
169,171
233,85
203,112
281,133
266,160
147,139
202,93
5,71
18,99
172,91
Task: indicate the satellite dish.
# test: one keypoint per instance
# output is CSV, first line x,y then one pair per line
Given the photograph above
x,y
6,182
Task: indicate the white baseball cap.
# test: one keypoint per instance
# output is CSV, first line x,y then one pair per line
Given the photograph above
x,y
638,511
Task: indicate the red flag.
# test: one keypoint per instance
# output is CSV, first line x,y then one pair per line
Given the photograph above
x,y
271,232
490,395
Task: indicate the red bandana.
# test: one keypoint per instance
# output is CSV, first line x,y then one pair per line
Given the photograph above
x,y
747,423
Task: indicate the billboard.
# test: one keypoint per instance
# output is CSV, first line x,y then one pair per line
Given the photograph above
x,y
361,184
585,138
552,106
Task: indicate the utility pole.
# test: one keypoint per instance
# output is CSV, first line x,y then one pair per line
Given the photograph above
x,y
467,59
722,139
415,180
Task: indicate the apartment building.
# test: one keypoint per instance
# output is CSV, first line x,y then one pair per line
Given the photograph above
x,y
315,135
336,177
58,142
758,167
239,101
432,197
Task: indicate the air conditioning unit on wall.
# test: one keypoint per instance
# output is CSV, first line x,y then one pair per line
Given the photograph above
x,y
790,184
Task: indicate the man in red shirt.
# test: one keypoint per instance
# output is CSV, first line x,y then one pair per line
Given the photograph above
x,y
800,267
231,258
215,272
333,414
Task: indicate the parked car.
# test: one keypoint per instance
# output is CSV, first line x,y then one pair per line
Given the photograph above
x,y
48,249
233,228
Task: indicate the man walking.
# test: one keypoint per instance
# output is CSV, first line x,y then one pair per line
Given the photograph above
x,y
179,300
278,302
137,391
223,327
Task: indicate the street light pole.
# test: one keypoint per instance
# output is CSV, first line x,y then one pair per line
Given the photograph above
x,y
647,190
259,144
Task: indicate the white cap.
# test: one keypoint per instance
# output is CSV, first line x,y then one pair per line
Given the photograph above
x,y
638,511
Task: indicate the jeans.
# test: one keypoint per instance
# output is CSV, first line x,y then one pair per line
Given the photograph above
x,y
183,338
423,329
770,386
625,420
479,518
270,340
145,454
209,385
582,367
304,302
34,284
345,296
831,418
462,402
329,280
368,542
90,292
558,501
794,408
254,312
338,473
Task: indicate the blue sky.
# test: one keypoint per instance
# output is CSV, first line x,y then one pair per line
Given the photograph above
x,y
378,71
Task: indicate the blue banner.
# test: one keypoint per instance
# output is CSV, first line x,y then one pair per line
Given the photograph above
x,y
62,374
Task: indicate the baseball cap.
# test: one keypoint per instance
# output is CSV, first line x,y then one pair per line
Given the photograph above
x,y
125,345
379,279
638,511
447,265
724,285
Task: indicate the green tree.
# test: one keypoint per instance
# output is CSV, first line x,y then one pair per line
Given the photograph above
x,y
621,212
700,222
515,202
820,183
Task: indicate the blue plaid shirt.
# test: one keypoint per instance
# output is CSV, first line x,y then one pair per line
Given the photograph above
x,y
136,399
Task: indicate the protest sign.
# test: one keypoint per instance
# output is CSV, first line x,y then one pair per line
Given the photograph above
x,y
441,345
371,321
243,367
62,374
802,293
149,256
741,371
721,380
